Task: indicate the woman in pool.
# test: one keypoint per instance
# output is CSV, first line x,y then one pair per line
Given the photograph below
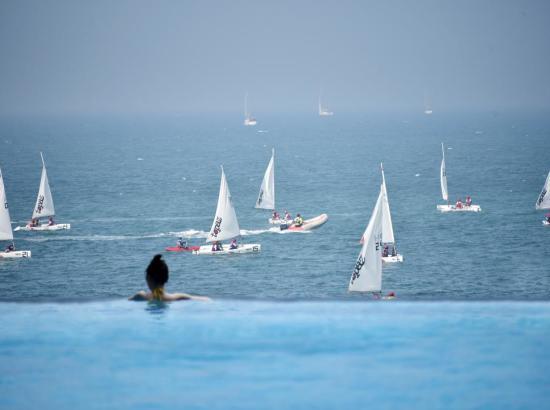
x,y
156,277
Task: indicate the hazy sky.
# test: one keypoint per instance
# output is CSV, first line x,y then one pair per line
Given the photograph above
x,y
190,56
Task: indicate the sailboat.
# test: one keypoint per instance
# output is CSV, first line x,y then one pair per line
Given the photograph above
x,y
225,226
367,274
248,119
6,234
44,207
389,253
459,207
427,106
544,200
266,196
324,112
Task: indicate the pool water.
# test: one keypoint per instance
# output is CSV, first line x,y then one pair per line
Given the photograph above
x,y
272,355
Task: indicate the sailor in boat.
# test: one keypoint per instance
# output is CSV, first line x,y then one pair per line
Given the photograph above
x,y
386,251
217,246
33,223
298,221
458,204
156,277
233,244
181,243
275,215
10,248
468,200
51,221
547,218
288,217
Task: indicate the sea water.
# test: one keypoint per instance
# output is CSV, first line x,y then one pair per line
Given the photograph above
x,y
130,186
282,331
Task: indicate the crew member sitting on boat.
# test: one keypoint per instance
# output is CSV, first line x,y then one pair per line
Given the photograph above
x,y
386,251
217,246
156,277
547,218
33,223
298,221
468,200
51,221
458,204
288,217
181,243
10,248
275,215
233,244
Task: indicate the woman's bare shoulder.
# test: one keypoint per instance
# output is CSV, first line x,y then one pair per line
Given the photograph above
x,y
141,295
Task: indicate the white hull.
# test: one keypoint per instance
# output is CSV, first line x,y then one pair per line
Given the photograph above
x,y
279,221
43,227
428,112
326,114
452,208
15,254
250,123
392,259
246,248
546,223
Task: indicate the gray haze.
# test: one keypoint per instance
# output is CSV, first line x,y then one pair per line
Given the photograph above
x,y
63,57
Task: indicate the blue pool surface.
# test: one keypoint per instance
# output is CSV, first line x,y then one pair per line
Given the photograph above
x,y
271,355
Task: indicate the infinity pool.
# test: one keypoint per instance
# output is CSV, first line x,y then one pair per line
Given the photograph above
x,y
268,355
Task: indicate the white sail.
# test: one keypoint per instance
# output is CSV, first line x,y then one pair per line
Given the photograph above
x,y
6,234
266,197
387,225
367,275
225,225
544,198
443,176
44,201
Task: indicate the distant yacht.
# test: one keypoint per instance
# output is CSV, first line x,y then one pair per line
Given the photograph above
x,y
427,106
324,112
249,120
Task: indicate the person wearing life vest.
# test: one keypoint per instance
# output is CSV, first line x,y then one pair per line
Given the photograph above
x,y
181,243
458,204
51,221
275,215
233,244
10,248
288,217
298,221
468,200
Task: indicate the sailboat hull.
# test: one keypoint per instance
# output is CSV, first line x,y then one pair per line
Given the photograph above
x,y
546,223
392,259
43,227
182,248
245,248
452,208
250,123
15,254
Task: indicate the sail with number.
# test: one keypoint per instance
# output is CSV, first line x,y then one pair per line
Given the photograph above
x,y
6,233
225,225
443,176
266,197
367,274
544,198
44,201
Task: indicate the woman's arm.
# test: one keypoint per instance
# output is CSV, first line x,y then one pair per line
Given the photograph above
x,y
185,296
